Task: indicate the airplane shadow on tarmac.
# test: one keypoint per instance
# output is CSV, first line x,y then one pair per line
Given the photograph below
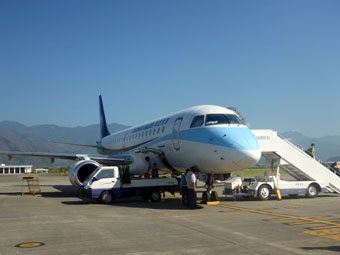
x,y
64,191
164,204
167,203
326,248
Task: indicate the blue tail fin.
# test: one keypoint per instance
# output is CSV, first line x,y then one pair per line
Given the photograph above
x,y
103,126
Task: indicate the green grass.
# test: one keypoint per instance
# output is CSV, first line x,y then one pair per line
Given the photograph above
x,y
253,172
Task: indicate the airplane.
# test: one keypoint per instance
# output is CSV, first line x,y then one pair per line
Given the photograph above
x,y
209,137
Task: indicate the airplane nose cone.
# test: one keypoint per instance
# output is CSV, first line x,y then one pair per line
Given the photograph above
x,y
249,158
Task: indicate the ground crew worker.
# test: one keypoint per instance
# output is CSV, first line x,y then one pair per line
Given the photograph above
x,y
152,166
336,167
183,184
311,150
192,187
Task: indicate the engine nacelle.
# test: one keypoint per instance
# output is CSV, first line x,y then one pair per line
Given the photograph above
x,y
81,170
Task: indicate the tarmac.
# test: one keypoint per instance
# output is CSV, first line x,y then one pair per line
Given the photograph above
x,y
58,222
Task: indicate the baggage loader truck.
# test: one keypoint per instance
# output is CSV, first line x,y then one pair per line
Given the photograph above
x,y
105,184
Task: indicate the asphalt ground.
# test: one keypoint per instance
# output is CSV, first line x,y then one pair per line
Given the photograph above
x,y
58,222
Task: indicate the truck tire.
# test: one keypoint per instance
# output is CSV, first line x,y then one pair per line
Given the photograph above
x,y
155,196
312,191
264,192
107,197
214,196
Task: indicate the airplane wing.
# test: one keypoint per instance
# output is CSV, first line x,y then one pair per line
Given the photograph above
x,y
74,144
102,159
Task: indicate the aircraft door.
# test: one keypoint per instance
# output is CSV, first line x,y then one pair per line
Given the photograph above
x,y
175,134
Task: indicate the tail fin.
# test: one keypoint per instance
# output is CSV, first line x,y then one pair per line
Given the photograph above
x,y
103,126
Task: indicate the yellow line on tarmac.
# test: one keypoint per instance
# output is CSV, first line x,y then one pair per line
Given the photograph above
x,y
285,216
331,231
301,223
325,227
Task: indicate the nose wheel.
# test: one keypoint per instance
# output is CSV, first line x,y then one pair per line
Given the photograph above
x,y
209,195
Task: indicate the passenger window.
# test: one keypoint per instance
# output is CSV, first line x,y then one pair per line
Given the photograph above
x,y
197,121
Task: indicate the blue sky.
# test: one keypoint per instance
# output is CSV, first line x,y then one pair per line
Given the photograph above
x,y
277,62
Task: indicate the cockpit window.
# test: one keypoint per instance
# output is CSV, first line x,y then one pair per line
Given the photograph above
x,y
197,121
235,119
217,119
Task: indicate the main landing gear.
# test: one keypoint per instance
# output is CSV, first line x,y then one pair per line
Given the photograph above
x,y
209,195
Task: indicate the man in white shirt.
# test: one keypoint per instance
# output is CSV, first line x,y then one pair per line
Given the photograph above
x,y
192,187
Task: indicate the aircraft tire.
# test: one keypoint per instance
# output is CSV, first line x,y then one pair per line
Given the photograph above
x,y
264,192
107,197
214,196
312,191
205,197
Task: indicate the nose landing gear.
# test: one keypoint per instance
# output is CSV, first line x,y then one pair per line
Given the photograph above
x,y
209,195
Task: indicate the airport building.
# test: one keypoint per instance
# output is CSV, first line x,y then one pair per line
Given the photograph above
x,y
15,169
41,170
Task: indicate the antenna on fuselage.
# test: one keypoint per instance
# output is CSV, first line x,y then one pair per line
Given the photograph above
x,y
104,131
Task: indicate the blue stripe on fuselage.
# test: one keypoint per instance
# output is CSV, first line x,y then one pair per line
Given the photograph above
x,y
231,137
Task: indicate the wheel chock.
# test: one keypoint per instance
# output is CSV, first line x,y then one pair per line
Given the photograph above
x,y
213,203
278,194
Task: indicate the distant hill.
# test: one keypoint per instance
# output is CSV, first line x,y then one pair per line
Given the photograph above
x,y
327,147
17,137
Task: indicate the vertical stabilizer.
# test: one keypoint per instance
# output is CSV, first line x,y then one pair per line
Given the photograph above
x,y
103,126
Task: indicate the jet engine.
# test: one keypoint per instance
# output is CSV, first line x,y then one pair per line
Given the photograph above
x,y
81,170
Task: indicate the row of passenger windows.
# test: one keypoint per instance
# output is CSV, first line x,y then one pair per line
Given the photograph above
x,y
215,119
140,134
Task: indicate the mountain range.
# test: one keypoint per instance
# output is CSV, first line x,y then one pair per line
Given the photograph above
x,y
18,137
327,148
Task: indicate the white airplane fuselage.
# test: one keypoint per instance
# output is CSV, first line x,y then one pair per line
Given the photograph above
x,y
198,136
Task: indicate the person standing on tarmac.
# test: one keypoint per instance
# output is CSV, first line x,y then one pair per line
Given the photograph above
x,y
184,188
311,150
192,187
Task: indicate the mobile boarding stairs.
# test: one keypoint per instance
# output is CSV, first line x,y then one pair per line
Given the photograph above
x,y
295,161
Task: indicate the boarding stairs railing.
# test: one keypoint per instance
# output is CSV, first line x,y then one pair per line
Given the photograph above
x,y
295,161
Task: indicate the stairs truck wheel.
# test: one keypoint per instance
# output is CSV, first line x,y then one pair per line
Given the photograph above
x,y
107,197
312,191
205,197
264,192
155,196
214,196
